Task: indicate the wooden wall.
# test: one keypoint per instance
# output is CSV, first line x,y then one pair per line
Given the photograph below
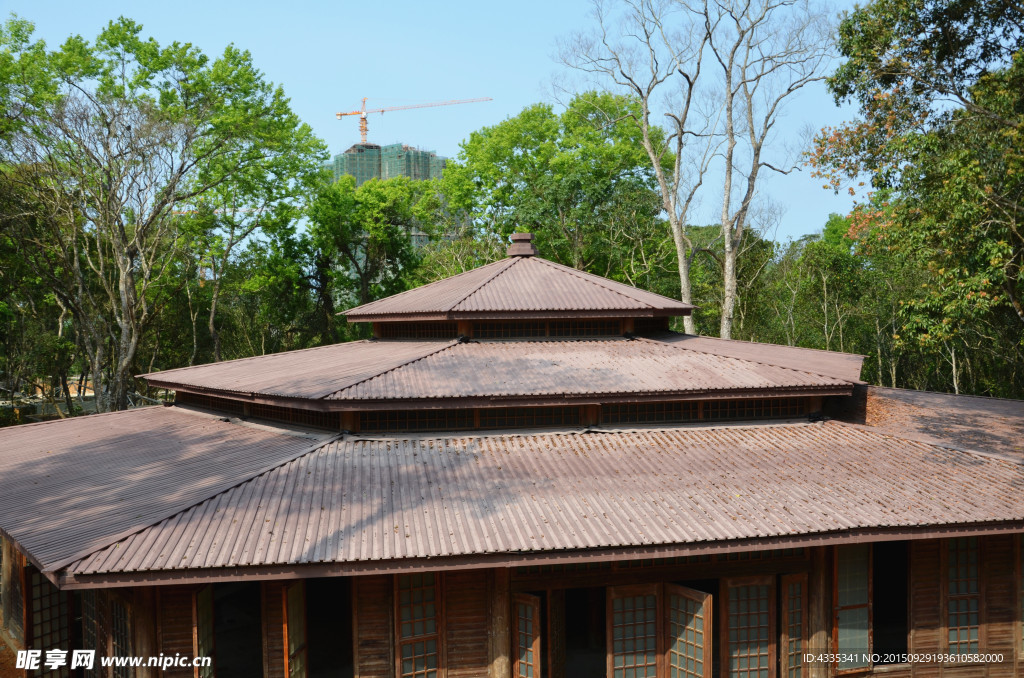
x,y
12,596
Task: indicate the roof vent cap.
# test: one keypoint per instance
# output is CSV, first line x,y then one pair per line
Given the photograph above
x,y
522,245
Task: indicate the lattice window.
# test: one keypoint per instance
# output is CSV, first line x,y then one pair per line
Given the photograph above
x,y
51,621
121,636
649,413
758,408
415,420
90,637
417,601
963,596
794,625
594,327
526,637
225,405
526,417
762,555
689,633
633,635
509,330
750,619
646,326
294,415
417,330
852,621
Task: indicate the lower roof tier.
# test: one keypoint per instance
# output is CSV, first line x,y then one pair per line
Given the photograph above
x,y
394,502
352,375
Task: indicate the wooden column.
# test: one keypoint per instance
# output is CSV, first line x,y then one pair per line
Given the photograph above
x,y
144,625
819,585
556,633
500,634
272,620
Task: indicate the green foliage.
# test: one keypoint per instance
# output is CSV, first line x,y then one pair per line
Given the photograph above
x,y
577,180
940,87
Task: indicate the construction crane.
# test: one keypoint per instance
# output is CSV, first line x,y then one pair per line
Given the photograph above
x,y
362,112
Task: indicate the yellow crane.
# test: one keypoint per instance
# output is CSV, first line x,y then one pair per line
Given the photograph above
x,y
362,113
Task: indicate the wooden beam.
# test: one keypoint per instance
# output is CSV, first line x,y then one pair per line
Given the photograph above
x,y
500,633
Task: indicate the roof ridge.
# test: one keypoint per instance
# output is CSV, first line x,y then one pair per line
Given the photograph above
x,y
749,360
586,277
253,357
85,553
511,262
416,289
447,346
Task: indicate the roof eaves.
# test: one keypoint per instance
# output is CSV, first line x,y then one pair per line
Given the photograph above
x,y
113,539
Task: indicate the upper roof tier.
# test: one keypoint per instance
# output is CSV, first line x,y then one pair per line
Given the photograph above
x,y
522,286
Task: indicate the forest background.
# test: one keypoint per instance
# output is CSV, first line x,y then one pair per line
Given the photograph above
x,y
162,208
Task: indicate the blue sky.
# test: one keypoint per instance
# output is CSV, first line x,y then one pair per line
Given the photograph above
x,y
329,55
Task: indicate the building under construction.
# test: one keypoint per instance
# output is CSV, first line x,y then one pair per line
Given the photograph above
x,y
367,161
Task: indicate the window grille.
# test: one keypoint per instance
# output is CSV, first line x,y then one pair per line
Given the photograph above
x,y
963,598
646,326
758,408
509,330
527,417
417,330
418,627
225,405
749,617
381,421
294,415
649,413
51,617
585,328
120,636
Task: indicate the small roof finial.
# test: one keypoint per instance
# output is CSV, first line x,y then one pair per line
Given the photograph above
x,y
522,245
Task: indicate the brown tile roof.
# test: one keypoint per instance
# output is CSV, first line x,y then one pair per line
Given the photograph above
x,y
398,370
844,366
505,369
309,373
519,287
69,487
365,501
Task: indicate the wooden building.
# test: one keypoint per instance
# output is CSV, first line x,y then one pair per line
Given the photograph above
x,y
523,474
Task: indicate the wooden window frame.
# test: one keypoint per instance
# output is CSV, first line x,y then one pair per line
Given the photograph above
x,y
661,592
784,622
725,584
440,624
869,605
613,592
534,603
945,596
197,617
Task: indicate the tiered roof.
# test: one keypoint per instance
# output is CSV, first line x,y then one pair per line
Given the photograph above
x,y
169,494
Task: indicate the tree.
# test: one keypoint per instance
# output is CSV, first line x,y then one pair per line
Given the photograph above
x,y
104,141
361,240
575,179
939,86
659,53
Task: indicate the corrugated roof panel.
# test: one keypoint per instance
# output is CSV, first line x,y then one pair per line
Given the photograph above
x,y
74,485
844,366
519,284
551,368
437,297
394,499
308,373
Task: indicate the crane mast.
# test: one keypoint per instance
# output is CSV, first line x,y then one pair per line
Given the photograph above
x,y
363,112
